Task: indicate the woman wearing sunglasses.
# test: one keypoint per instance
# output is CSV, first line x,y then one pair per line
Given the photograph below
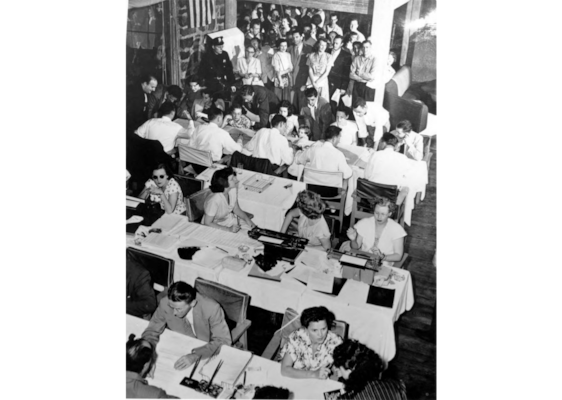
x,y
163,189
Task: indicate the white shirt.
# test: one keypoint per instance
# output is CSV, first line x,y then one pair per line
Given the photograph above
x,y
414,146
325,157
348,132
189,318
388,167
376,116
162,129
211,138
271,144
337,29
360,36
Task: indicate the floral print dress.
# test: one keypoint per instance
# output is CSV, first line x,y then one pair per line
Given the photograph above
x,y
299,346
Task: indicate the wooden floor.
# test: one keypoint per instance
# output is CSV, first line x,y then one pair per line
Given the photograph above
x,y
415,360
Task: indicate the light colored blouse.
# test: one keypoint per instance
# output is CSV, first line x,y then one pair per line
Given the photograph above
x,y
171,187
313,229
253,67
221,209
281,61
318,63
392,231
299,346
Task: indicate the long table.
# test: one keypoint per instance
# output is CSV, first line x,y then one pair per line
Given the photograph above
x,y
370,324
261,372
268,207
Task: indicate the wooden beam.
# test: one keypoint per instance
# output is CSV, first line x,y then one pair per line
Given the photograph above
x,y
348,6
230,14
412,14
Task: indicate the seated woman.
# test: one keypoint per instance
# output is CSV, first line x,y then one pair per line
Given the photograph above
x,y
221,208
312,225
141,361
236,119
359,367
308,352
286,109
378,234
164,189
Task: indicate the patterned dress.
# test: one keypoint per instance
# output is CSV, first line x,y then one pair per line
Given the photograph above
x,y
299,346
171,187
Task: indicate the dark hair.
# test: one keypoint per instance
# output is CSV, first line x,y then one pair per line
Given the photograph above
x,y
390,139
332,132
246,90
317,44
214,112
405,125
343,109
316,314
271,392
306,129
334,15
254,22
147,78
219,181
166,169
206,91
277,119
139,352
234,106
364,363
316,20
359,102
311,92
166,108
257,40
287,104
298,30
281,40
195,78
310,204
175,91
181,291
338,36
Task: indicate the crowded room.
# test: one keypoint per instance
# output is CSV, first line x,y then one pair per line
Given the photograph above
x,y
281,199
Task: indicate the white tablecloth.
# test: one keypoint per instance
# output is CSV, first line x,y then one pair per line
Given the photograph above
x,y
268,207
261,372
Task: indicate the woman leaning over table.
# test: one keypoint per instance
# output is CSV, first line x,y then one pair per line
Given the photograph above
x,y
221,208
283,67
164,189
141,362
378,234
308,352
319,67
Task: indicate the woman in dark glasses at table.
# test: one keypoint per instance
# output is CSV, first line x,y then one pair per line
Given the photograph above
x,y
164,189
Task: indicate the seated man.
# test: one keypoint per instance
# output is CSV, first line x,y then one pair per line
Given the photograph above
x,y
411,141
324,156
141,300
202,105
258,103
164,129
192,93
211,137
190,313
272,144
388,166
370,122
318,113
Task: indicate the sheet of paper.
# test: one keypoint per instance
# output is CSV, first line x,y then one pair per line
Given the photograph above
x,y
209,257
321,282
270,240
336,96
300,272
346,100
235,361
277,270
354,292
135,199
315,259
159,241
132,204
217,237
353,260
167,222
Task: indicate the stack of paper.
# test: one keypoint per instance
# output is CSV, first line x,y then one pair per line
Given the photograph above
x,y
354,292
159,241
235,362
169,221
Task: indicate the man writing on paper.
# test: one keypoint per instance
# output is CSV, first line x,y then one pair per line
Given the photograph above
x,y
188,312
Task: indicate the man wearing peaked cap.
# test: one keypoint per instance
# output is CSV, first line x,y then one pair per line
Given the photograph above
x,y
216,67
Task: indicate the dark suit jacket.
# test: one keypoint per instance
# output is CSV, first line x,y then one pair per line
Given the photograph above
x,y
141,299
137,107
265,102
300,69
208,320
323,118
214,66
339,74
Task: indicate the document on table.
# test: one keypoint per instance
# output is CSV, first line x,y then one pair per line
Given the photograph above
x,y
353,260
300,272
235,362
321,282
354,292
315,259
133,202
167,222
159,241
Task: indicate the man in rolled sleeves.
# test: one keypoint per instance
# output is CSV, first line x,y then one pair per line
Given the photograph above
x,y
216,68
299,53
338,78
185,311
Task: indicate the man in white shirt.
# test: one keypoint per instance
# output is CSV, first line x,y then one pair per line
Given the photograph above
x,y
348,128
211,138
271,144
164,129
412,141
388,166
333,26
353,27
324,156
371,119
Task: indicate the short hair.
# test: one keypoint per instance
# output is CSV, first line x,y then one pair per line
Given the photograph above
x,y
271,392
181,291
306,129
147,78
196,79
139,352
390,139
257,40
206,91
311,92
343,109
219,181
364,363
281,40
166,108
334,15
316,19
367,41
254,22
354,19
385,202
287,104
332,131
359,102
278,119
405,125
234,106
310,204
317,44
175,91
166,167
298,30
338,36
214,112
246,90
316,314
